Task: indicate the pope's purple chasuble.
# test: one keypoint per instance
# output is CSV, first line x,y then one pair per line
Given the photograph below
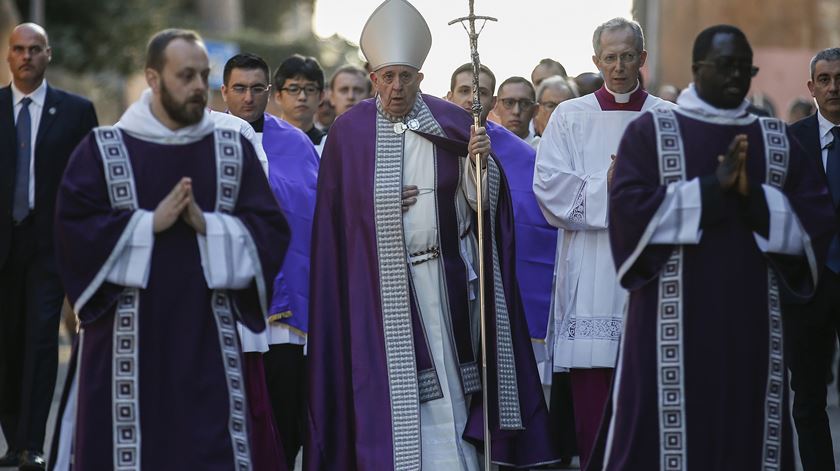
x,y
371,366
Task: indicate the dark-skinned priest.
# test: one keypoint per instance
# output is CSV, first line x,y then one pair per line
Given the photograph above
x,y
715,215
395,376
167,233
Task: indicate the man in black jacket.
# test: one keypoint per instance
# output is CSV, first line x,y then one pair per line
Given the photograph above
x,y
39,128
811,328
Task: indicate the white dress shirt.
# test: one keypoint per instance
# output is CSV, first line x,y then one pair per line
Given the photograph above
x,y
826,138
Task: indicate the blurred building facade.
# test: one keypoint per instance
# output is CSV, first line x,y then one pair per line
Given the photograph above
x,y
273,29
784,34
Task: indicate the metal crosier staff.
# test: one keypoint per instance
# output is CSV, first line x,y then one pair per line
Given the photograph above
x,y
476,112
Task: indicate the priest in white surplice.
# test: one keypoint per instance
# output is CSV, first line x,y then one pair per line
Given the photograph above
x,y
573,166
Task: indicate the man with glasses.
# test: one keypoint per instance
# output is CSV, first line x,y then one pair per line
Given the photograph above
x,y
298,90
293,175
394,378
550,93
715,216
245,88
515,107
573,166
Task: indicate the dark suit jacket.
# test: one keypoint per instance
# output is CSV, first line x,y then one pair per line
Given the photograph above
x,y
807,132
65,120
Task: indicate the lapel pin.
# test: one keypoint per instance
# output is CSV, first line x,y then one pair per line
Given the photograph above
x,y
51,110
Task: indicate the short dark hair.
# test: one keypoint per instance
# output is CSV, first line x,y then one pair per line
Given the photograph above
x,y
703,42
553,63
298,65
155,58
522,80
352,70
246,61
468,67
830,55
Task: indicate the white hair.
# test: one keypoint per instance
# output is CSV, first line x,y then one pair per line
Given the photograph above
x,y
614,24
559,83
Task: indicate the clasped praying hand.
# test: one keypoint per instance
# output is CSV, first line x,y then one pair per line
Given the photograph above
x,y
180,202
732,167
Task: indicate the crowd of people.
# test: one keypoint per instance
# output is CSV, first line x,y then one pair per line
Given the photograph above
x,y
658,271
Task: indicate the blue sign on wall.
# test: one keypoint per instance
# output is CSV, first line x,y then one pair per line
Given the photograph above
x,y
219,53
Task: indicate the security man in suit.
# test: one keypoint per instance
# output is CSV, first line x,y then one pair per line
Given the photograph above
x,y
811,328
39,128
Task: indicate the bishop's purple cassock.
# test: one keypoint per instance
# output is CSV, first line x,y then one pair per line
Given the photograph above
x,y
158,381
701,380
372,370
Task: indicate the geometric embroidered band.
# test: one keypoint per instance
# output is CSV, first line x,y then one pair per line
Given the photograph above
x,y
125,366
777,156
670,356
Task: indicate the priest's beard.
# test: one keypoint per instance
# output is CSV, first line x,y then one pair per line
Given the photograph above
x,y
185,113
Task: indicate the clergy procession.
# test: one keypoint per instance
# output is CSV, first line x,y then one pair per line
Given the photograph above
x,y
552,272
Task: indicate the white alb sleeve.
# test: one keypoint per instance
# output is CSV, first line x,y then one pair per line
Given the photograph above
x,y
226,252
679,215
786,235
132,265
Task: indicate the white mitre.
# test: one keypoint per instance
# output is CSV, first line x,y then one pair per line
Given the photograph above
x,y
396,34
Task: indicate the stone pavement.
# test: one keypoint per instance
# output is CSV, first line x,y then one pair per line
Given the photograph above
x,y
64,357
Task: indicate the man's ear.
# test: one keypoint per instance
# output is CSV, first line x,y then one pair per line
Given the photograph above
x,y
224,91
153,79
811,87
642,59
449,95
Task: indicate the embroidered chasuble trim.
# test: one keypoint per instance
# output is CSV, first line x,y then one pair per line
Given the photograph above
x,y
228,169
396,309
228,147
429,386
510,416
125,388
598,328
125,380
232,361
777,156
471,378
119,176
670,356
